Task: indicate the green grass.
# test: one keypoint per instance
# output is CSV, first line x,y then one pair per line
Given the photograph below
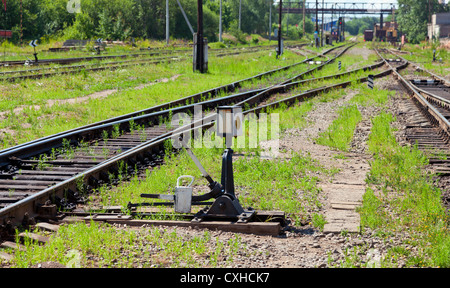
x,y
423,55
91,245
340,133
371,97
400,197
34,123
403,197
285,185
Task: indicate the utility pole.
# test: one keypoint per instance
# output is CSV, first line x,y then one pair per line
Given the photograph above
x,y
381,24
316,33
332,16
321,33
279,30
167,22
240,7
339,25
287,19
199,64
21,28
304,10
270,19
220,22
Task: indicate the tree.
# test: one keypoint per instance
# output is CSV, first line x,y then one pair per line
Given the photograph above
x,y
412,19
309,25
121,19
413,16
358,25
253,15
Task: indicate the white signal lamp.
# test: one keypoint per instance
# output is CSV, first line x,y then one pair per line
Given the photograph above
x,y
229,121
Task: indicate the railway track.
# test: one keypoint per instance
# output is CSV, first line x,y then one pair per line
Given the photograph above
x,y
429,130
66,61
39,177
75,69
71,60
207,94
37,73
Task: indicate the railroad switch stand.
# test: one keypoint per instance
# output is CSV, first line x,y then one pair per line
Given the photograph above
x,y
97,45
226,205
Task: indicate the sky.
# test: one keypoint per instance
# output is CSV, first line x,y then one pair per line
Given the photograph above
x,y
368,3
377,4
345,1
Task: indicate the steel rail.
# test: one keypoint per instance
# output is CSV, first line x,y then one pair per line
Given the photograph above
x,y
254,99
28,205
428,109
116,62
288,100
435,76
10,72
192,99
100,66
77,59
93,58
15,211
137,115
214,91
316,91
431,97
78,70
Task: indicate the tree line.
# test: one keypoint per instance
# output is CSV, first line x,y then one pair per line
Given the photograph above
x,y
146,19
123,19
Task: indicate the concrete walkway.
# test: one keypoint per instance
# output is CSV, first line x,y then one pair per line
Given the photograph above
x,y
345,194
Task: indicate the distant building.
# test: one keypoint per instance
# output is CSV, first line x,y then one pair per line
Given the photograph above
x,y
439,28
387,31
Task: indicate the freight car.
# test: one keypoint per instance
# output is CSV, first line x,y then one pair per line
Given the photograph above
x,y
368,35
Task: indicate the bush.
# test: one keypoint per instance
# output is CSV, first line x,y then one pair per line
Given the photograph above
x,y
240,36
217,45
255,39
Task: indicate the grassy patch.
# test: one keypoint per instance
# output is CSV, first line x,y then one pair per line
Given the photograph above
x,y
31,123
287,185
405,199
340,133
101,245
371,97
423,55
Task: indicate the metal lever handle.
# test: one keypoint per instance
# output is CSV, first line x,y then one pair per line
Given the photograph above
x,y
197,163
185,176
